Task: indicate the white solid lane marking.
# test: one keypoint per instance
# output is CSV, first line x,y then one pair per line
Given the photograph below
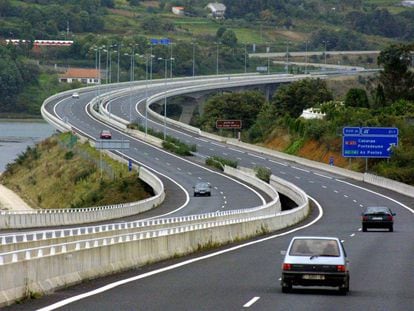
x,y
177,265
256,156
236,150
202,139
324,176
251,302
276,162
300,169
215,144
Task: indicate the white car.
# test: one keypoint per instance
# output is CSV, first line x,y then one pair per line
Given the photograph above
x,y
315,261
75,95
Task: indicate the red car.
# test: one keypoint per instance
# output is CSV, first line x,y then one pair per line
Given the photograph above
x,y
105,134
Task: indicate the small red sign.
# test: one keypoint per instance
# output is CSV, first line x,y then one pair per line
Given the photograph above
x,y
228,124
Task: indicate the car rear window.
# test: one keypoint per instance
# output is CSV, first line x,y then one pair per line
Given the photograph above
x,y
314,247
377,210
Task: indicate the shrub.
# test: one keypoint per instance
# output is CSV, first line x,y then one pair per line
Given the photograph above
x,y
263,173
219,162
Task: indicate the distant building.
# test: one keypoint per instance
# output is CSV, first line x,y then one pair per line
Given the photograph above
x,y
312,113
408,3
38,43
178,10
218,10
83,75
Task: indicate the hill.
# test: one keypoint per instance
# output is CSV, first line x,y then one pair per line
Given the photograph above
x,y
60,173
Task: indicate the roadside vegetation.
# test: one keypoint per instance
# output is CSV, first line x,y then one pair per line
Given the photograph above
x,y
29,75
383,100
62,173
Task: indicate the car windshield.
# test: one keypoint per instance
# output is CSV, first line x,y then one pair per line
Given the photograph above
x,y
315,248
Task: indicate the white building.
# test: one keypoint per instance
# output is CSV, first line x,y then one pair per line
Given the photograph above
x,y
408,3
178,10
218,10
312,113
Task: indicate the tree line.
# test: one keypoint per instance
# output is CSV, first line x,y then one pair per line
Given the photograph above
x,y
394,108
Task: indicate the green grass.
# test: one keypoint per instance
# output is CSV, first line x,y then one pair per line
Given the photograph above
x,y
54,175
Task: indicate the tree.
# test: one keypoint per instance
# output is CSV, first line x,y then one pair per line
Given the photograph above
x,y
292,99
396,79
240,106
229,38
356,98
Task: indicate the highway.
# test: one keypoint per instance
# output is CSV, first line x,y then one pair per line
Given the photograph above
x,y
246,275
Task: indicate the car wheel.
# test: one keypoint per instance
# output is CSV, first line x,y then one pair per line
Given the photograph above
x,y
344,289
209,194
286,288
195,194
364,228
391,228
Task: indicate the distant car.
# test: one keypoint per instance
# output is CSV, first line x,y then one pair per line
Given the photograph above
x,y
75,95
105,134
378,217
315,261
202,188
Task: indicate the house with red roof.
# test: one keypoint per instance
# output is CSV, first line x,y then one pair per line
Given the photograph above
x,y
83,75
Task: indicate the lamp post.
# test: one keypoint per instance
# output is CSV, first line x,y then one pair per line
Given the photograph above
x,y
325,42
193,43
165,97
217,58
287,56
306,57
117,75
268,59
245,58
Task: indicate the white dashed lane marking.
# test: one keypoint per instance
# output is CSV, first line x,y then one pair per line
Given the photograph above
x,y
251,302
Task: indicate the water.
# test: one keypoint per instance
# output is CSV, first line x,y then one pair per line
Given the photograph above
x,y
17,135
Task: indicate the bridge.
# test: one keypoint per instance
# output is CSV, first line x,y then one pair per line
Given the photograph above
x,y
241,206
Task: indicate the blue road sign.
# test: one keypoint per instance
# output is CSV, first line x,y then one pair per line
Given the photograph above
x,y
351,131
360,146
381,131
164,41
129,165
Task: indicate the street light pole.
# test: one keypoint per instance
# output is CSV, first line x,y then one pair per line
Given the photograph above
x,y
287,56
117,75
217,59
193,59
268,59
245,58
165,96
306,57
